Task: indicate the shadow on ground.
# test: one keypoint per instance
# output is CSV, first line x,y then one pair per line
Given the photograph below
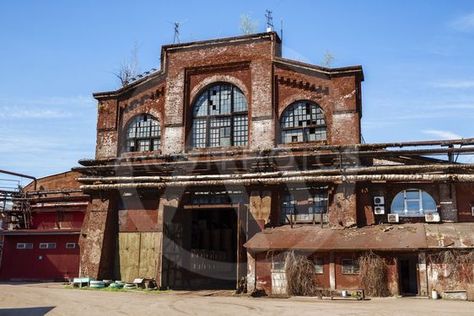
x,y
26,311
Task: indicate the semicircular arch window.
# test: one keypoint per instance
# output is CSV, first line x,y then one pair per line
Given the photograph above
x,y
301,122
220,117
142,134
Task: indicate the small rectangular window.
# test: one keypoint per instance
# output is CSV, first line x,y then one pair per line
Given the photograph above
x,y
350,266
24,245
47,245
70,245
278,265
318,265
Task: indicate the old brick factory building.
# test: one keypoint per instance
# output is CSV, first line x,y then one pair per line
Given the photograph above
x,y
41,225
209,170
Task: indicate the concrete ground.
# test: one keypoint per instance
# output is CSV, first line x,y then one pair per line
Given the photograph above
x,y
55,299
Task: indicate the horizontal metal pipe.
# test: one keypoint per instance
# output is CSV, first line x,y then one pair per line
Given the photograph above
x,y
21,175
283,180
312,154
333,171
461,141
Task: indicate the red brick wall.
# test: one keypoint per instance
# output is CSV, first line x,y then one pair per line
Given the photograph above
x,y
65,180
465,198
250,65
51,220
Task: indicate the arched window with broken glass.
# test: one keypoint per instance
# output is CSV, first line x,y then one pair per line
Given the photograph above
x,y
142,134
220,117
301,122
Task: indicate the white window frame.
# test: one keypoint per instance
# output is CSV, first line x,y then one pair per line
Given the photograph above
x,y
47,245
24,245
71,245
421,211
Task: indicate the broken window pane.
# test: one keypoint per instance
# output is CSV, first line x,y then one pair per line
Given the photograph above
x,y
224,123
303,204
302,122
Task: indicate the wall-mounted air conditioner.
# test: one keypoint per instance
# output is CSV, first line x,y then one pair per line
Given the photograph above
x,y
379,210
379,200
393,218
432,218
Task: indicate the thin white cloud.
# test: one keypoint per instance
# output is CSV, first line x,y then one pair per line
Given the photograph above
x,y
17,112
44,107
441,134
77,100
464,23
455,84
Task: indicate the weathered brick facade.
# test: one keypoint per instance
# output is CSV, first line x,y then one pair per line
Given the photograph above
x,y
168,184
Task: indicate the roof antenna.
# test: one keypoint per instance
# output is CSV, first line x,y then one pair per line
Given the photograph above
x,y
268,15
176,32
281,30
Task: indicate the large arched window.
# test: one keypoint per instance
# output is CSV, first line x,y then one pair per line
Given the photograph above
x,y
143,134
413,202
302,121
220,117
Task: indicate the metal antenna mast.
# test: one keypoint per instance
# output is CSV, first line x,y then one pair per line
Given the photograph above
x,y
176,32
268,15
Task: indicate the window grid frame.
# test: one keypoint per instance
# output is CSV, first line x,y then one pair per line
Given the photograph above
x,y
138,134
201,135
290,114
350,269
291,205
419,200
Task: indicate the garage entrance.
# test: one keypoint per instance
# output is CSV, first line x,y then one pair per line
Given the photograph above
x,y
200,247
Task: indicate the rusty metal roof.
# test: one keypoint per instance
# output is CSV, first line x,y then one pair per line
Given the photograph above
x,y
377,237
459,235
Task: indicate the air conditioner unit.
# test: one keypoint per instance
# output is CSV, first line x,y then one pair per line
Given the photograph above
x,y
379,210
379,200
432,218
393,218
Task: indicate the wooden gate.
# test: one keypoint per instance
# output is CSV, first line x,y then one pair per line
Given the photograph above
x,y
138,255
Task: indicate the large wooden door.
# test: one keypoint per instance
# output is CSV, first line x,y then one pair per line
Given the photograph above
x,y
138,255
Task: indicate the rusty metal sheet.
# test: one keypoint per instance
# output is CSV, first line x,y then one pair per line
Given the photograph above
x,y
314,238
450,235
378,237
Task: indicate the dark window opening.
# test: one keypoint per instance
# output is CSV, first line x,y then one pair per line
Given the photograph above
x,y
350,266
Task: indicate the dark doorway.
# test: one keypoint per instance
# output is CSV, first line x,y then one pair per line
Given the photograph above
x,y
200,248
408,277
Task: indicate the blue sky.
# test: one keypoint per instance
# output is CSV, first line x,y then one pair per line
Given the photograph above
x,y
418,59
